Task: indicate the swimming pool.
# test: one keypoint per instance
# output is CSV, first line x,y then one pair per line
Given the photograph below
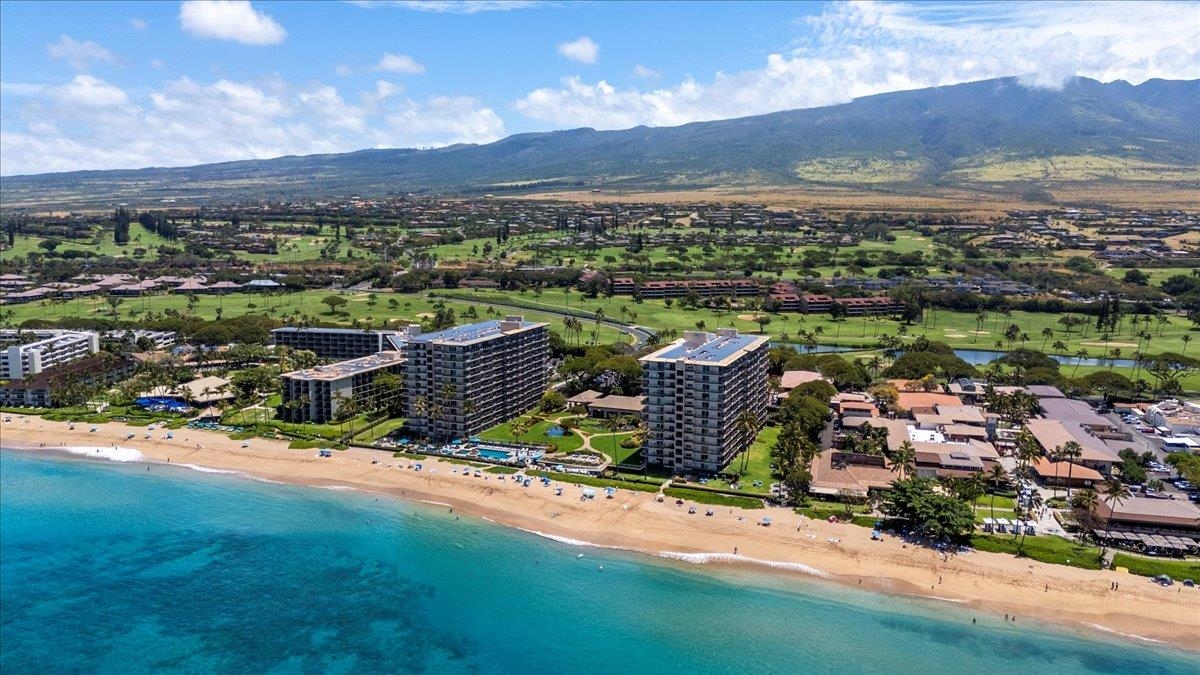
x,y
490,453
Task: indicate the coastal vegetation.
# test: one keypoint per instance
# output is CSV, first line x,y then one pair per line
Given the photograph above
x,y
1152,567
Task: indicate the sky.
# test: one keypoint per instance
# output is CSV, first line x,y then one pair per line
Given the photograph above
x,y
104,85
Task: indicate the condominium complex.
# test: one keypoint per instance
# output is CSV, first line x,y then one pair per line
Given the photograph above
x,y
28,352
468,378
47,388
697,390
316,394
342,343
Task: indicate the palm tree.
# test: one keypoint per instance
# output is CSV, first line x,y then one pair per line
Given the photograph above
x,y
1035,504
904,460
1047,333
1115,492
1084,503
1079,357
1027,449
975,486
612,425
995,475
1069,451
1186,339
747,423
519,428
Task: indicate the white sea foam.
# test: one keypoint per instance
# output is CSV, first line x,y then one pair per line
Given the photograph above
x,y
337,487
938,597
205,469
111,453
1117,632
567,540
705,558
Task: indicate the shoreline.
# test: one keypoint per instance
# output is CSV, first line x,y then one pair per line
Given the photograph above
x,y
992,583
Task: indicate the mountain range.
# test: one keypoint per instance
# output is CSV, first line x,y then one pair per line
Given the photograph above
x,y
994,132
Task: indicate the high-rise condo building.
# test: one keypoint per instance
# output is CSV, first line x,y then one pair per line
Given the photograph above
x,y
465,379
340,343
24,353
698,391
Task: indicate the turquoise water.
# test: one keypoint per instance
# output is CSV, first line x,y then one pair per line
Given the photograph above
x,y
112,568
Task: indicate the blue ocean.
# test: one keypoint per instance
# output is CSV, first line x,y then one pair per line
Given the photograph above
x,y
111,568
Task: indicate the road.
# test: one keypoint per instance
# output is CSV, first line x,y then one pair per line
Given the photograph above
x,y
640,334
1141,442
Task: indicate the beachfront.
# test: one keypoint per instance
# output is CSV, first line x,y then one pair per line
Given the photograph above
x,y
996,583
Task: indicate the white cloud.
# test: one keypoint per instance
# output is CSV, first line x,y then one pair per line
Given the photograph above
x,y
138,24
325,102
858,49
342,70
81,55
583,50
645,73
88,123
158,64
92,92
458,119
451,6
399,63
382,92
234,20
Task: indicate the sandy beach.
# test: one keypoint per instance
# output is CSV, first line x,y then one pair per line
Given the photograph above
x,y
994,583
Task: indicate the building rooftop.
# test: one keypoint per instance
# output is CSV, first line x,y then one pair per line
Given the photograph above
x,y
923,399
343,331
477,332
343,369
1178,512
716,349
41,338
627,404
1071,410
1048,469
1052,434
834,471
794,378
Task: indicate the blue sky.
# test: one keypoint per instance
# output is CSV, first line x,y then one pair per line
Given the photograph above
x,y
122,85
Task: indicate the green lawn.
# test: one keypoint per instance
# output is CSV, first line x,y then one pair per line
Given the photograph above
x,y
595,482
758,467
139,237
409,307
536,434
534,248
954,328
1152,567
379,430
248,416
821,510
293,247
1002,502
503,470
1157,274
1044,548
610,444
982,512
713,498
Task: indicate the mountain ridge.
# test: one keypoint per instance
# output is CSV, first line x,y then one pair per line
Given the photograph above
x,y
948,135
